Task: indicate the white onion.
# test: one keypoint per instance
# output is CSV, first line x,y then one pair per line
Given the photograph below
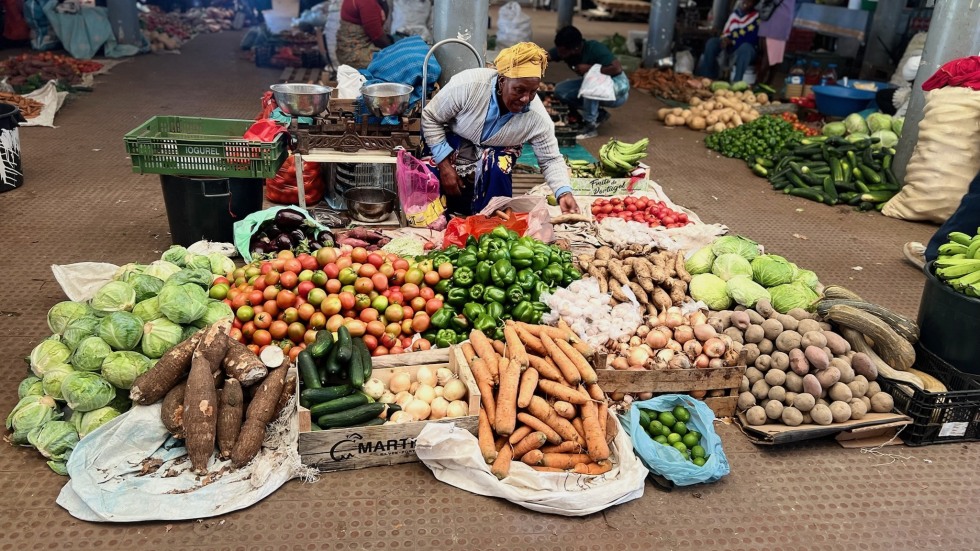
x,y
425,376
425,393
454,390
399,382
374,388
387,398
439,408
444,375
637,357
418,409
457,408
401,417
413,387
404,398
439,391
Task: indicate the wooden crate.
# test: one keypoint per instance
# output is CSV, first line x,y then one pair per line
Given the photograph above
x,y
679,381
381,445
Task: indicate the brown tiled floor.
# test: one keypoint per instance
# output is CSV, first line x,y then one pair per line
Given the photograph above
x,y
81,202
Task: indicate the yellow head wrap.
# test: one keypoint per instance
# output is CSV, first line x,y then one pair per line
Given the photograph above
x,y
522,60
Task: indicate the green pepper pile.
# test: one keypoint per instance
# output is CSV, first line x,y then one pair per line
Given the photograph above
x,y
496,277
763,137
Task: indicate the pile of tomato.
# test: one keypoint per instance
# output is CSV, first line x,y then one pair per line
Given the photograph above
x,y
639,209
797,125
381,297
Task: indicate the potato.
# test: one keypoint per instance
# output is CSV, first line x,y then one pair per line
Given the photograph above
x,y
840,392
813,338
822,415
827,351
807,420
840,411
821,401
777,393
798,362
775,377
765,402
780,361
788,340
792,417
817,357
763,363
766,346
760,389
755,317
726,320
812,386
789,398
745,401
804,402
846,373
807,326
799,313
789,322
753,375
717,324
863,365
859,386
751,354
858,408
764,308
754,334
741,320
772,328
867,402
838,345
882,403
774,409
828,377
824,326
735,334
873,389
756,416
794,382
744,386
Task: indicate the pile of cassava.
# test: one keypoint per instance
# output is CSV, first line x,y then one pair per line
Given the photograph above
x,y
215,390
540,401
657,278
726,109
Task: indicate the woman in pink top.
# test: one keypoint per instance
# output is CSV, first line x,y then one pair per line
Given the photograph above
x,y
773,34
361,31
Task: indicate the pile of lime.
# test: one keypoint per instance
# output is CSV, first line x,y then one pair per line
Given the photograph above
x,y
670,429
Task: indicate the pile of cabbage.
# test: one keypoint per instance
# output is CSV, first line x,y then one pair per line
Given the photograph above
x,y
855,128
732,271
81,375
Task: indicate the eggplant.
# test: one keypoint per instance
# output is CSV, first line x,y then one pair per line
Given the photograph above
x,y
314,246
296,236
326,239
288,219
283,242
273,232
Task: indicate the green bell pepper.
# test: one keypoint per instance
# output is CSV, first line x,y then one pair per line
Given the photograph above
x,y
520,255
460,324
515,294
526,279
571,274
473,310
429,335
458,296
494,294
501,232
467,259
463,276
539,287
440,319
442,287
476,291
484,323
523,311
498,333
445,338
553,274
542,257
503,274
482,272
494,309
513,235
441,259
502,253
471,241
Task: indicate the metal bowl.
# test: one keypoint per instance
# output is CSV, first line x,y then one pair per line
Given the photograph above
x,y
370,204
386,98
302,100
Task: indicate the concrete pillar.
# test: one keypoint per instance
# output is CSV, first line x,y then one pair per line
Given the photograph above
x,y
663,15
463,19
566,8
883,38
953,33
720,10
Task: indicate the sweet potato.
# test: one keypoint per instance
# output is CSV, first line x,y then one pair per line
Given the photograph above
x,y
214,343
230,413
172,411
288,390
200,418
239,362
153,385
260,413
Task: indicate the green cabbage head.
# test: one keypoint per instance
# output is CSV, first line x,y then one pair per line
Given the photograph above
x,y
55,439
146,286
90,353
148,310
746,292
161,335
183,303
115,296
161,269
879,121
53,379
834,129
711,290
46,354
63,313
701,261
792,295
79,329
217,311
122,330
94,419
30,386
221,264
32,411
175,255
855,124
122,368
770,270
730,265
86,391
746,248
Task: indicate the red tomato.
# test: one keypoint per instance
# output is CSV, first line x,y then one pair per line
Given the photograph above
x,y
254,349
400,264
396,350
380,281
367,270
368,315
248,329
236,334
288,280
265,268
420,323
290,315
427,293
318,320
261,337
359,254
304,288
306,311
293,265
379,351
375,260
285,298
294,353
375,327
356,328
346,300
259,284
308,262
238,301
410,291
295,332
334,322
420,344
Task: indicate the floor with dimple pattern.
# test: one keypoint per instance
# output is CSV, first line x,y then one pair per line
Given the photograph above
x,y
82,203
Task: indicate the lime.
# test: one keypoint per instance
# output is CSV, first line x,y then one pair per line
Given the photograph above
x,y
697,451
673,438
699,461
667,419
680,428
655,427
665,430
679,446
690,440
695,433
660,439
682,414
644,417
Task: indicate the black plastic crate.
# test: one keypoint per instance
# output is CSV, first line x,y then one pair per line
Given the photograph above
x,y
938,417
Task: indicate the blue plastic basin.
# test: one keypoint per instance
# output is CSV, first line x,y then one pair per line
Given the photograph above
x,y
838,101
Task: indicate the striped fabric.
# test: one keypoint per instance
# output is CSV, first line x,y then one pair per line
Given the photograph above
x,y
402,63
741,28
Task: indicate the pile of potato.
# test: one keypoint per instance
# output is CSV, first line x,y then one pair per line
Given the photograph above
x,y
726,109
799,370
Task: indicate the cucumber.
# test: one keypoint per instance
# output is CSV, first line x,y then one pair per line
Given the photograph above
x,y
344,344
372,423
351,417
355,369
644,418
340,404
316,396
829,190
322,344
307,370
870,176
332,366
366,363
807,193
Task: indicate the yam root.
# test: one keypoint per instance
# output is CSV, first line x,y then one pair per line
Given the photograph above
x,y
200,418
260,413
153,385
172,412
214,343
230,414
288,390
240,363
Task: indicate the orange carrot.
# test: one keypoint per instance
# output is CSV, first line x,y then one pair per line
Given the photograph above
x,y
594,469
506,419
501,465
562,392
571,336
481,345
568,370
595,437
603,417
564,447
583,348
529,382
485,436
545,369
530,442
579,427
565,409
543,411
532,343
468,352
532,458
485,383
564,460
498,347
519,434
595,392
554,332
538,425
515,348
500,442
584,368
612,429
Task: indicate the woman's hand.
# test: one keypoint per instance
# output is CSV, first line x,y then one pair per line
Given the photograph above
x,y
568,204
452,184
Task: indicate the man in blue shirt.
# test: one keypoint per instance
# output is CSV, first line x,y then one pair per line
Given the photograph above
x,y
739,39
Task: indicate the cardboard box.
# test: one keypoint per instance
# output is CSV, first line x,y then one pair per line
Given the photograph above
x,y
777,433
380,445
724,379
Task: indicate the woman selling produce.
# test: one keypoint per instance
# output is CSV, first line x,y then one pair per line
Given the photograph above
x,y
361,31
477,124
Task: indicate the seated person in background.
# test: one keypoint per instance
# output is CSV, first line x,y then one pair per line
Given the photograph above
x,y
739,39
361,31
581,55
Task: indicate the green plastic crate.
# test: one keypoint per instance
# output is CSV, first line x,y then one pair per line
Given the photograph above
x,y
194,146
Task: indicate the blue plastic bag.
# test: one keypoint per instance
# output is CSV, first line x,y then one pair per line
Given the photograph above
x,y
667,461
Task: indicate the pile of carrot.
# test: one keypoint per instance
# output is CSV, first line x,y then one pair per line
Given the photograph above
x,y
540,404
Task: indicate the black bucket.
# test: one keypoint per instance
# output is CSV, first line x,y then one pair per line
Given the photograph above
x,y
11,171
207,208
948,324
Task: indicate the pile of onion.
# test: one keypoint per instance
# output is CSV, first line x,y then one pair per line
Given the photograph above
x,y
433,394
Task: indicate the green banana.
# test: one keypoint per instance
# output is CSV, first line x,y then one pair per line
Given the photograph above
x,y
959,270
953,248
974,249
963,282
961,238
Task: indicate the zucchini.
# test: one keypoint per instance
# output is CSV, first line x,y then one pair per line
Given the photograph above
x,y
372,422
905,327
893,349
345,346
322,344
316,396
307,370
807,193
340,404
351,417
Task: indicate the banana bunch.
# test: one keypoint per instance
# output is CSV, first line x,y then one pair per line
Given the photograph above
x,y
619,158
958,263
584,169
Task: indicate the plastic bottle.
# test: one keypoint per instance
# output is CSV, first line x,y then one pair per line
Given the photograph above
x,y
829,77
798,73
813,74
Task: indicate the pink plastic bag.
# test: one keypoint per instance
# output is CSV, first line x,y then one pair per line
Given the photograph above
x,y
420,193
